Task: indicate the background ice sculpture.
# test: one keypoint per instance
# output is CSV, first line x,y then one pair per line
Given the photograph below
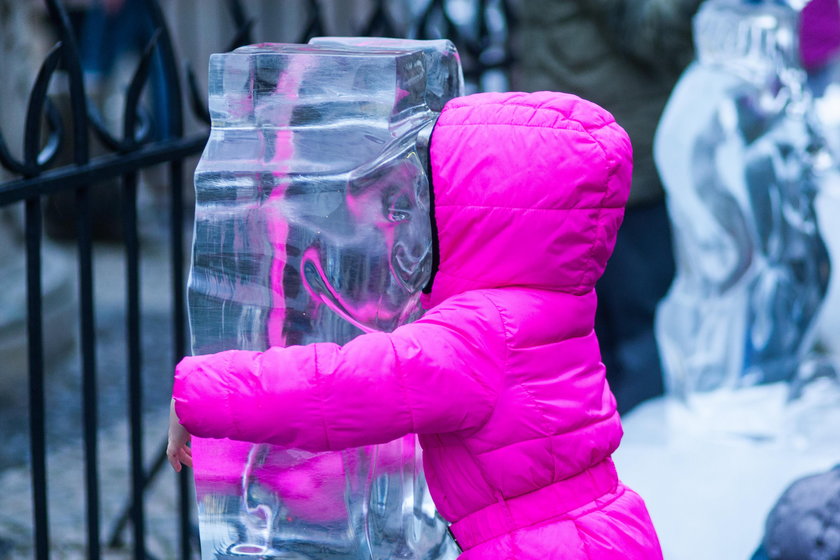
x,y
312,224
736,149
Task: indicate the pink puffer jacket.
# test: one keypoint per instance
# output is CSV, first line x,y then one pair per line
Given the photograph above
x,y
502,377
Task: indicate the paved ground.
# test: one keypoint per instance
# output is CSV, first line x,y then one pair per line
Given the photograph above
x,y
65,460
67,504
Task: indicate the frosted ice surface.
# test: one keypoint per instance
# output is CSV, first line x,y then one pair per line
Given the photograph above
x,y
444,76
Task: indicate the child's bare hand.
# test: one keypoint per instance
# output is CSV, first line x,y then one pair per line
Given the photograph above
x,y
178,450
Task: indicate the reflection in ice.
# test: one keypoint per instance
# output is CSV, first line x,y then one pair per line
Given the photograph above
x,y
312,224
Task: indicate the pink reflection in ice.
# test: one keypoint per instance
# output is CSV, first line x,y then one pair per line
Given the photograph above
x,y
307,487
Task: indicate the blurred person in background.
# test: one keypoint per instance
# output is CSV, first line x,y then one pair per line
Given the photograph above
x,y
625,55
111,31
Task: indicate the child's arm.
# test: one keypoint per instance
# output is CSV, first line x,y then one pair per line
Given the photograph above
x,y
436,375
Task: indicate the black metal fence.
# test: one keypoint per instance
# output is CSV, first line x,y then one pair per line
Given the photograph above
x,y
482,42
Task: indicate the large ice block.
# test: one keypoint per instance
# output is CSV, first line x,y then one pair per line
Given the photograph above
x,y
312,224
736,149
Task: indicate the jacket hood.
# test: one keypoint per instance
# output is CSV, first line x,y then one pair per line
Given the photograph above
x,y
529,191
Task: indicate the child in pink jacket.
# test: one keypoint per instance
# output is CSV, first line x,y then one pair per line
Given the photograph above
x,y
502,378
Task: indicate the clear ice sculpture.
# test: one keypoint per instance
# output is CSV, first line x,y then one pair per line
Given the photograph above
x,y
736,148
312,224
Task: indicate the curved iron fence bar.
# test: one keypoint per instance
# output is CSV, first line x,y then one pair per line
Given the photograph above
x,y
7,160
171,79
85,115
37,101
33,159
97,125
132,111
111,142
54,139
131,139
73,67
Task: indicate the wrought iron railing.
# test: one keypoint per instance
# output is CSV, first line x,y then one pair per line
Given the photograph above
x,y
481,40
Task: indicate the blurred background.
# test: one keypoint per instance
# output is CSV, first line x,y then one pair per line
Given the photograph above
x,y
103,117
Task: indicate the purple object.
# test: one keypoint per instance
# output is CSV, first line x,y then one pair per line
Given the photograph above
x,y
819,33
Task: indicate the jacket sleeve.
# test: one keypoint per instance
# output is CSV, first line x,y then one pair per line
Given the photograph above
x,y
439,374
